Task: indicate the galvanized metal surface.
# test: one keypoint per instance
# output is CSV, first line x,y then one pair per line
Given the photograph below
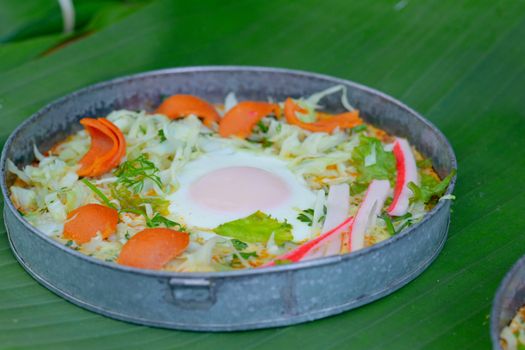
x,y
226,301
508,300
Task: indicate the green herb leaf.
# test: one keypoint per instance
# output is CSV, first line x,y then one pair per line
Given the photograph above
x,y
159,220
306,216
247,255
257,227
430,189
262,126
133,173
161,136
99,193
239,245
359,128
134,203
383,169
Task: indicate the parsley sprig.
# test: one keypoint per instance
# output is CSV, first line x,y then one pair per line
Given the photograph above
x,y
307,216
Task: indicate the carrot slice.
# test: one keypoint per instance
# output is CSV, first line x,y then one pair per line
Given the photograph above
x,y
325,122
241,119
86,221
108,146
153,248
180,106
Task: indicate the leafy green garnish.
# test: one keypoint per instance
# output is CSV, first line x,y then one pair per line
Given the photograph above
x,y
383,169
256,228
247,255
359,128
306,216
430,188
133,202
69,243
99,193
159,220
239,245
161,136
133,173
391,221
262,127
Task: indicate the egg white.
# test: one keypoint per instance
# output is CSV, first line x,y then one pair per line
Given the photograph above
x,y
195,215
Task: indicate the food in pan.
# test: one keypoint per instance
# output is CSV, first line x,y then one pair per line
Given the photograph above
x,y
194,186
512,337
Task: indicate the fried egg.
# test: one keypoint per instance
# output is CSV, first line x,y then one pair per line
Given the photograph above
x,y
230,184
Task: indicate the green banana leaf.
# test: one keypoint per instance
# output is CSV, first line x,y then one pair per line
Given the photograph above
x,y
459,62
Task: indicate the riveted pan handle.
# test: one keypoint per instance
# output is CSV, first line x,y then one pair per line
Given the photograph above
x,y
192,293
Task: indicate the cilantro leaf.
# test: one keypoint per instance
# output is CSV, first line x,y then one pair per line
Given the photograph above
x,y
306,216
383,169
257,227
430,188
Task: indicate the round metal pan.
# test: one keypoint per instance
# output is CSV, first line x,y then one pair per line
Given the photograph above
x,y
508,300
225,301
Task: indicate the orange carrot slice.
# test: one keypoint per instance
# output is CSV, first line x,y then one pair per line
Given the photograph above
x,y
241,119
108,146
325,122
86,221
180,106
153,248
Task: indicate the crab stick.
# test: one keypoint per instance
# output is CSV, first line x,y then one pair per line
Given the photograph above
x,y
406,173
337,206
329,243
369,209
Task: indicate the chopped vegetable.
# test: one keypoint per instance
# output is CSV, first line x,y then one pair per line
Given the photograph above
x,y
153,248
329,243
85,222
241,119
108,147
324,122
180,106
406,173
257,227
430,188
382,169
369,209
133,173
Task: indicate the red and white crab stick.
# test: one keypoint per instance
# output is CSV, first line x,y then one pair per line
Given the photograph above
x,y
336,227
406,173
369,209
328,243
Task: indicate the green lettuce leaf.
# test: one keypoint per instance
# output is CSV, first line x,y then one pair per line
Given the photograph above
x,y
256,228
383,169
430,188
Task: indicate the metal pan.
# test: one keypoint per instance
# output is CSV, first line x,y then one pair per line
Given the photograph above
x,y
225,301
508,300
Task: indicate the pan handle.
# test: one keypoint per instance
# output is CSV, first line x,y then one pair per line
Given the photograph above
x,y
192,293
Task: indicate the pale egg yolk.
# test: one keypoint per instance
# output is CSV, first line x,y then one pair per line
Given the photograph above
x,y
239,189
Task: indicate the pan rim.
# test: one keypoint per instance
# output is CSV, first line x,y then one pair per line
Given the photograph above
x,y
224,274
